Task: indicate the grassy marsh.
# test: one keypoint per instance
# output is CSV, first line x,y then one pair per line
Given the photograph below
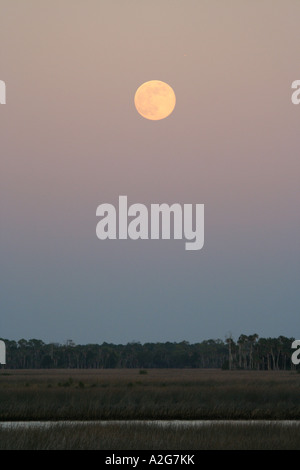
x,y
150,437
129,394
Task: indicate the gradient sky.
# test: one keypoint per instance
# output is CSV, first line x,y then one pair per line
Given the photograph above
x,y
71,139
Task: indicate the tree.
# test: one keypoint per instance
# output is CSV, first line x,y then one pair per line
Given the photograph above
x,y
230,342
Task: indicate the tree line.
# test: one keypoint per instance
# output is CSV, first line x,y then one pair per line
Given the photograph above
x,y
248,352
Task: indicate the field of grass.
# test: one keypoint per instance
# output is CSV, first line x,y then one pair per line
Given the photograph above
x,y
150,437
131,394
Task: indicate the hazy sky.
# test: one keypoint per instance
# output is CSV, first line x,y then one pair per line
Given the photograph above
x,y
71,139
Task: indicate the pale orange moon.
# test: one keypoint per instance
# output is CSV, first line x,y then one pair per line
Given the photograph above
x,y
155,100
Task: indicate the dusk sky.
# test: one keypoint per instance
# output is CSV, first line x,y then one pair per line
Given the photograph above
x,y
72,139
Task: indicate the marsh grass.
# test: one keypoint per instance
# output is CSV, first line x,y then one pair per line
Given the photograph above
x,y
150,437
126,394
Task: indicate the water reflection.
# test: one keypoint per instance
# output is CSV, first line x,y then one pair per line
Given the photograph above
x,y
173,423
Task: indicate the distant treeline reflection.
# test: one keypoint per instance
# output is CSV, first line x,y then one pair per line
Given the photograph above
x,y
248,352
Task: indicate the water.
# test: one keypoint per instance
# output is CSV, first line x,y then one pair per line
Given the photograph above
x,y
175,423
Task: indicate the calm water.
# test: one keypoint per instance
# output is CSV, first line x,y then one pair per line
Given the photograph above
x,y
175,423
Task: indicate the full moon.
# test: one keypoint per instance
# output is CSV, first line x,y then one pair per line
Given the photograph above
x,y
155,100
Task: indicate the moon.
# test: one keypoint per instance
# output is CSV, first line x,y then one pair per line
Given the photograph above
x,y
155,100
